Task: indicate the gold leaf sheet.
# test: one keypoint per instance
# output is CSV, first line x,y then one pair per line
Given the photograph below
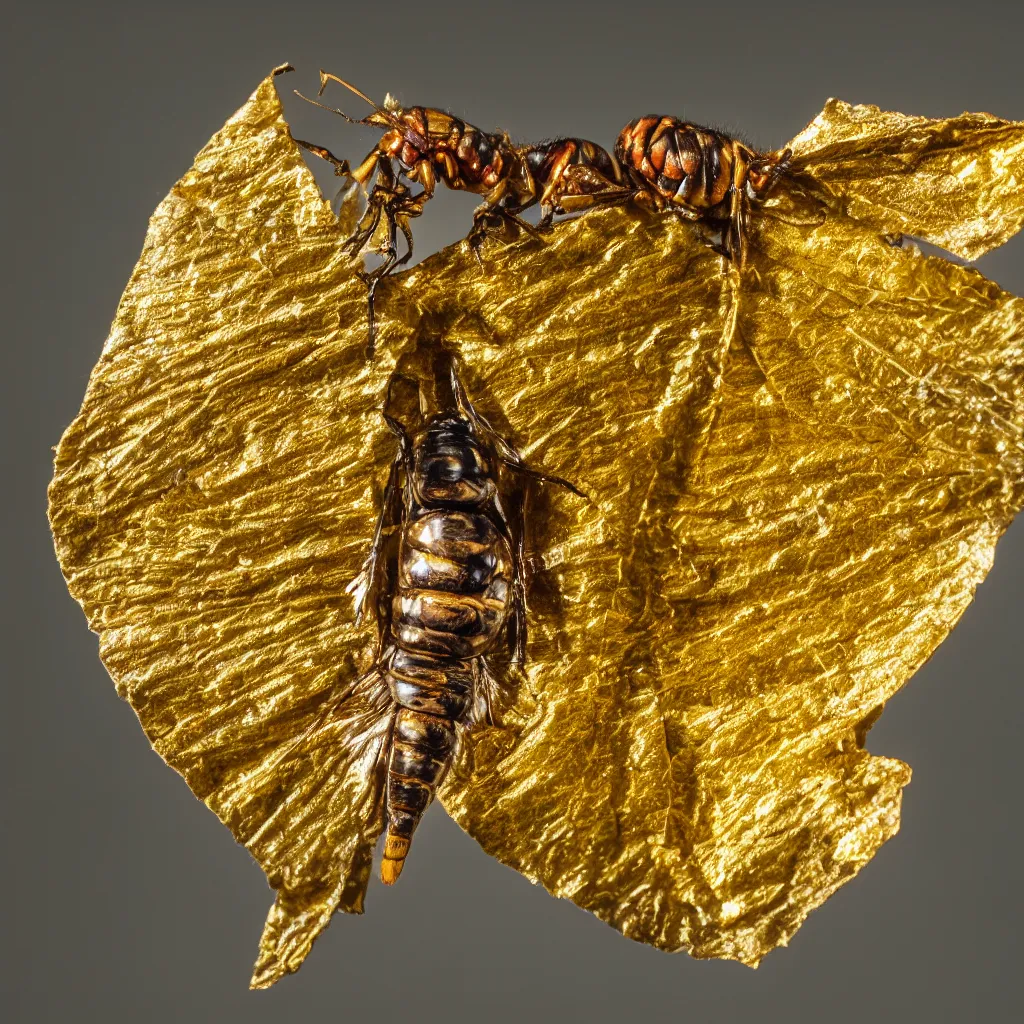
x,y
956,182
795,482
790,515
197,517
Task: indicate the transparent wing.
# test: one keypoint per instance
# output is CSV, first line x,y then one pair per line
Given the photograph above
x,y
213,499
956,182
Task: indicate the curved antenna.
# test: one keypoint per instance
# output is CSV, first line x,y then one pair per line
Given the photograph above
x,y
323,106
384,113
506,452
326,77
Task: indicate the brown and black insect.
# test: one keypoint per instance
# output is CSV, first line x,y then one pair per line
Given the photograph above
x,y
699,173
570,174
694,172
424,145
445,575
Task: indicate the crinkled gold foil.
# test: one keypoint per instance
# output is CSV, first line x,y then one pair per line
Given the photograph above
x,y
957,182
213,499
796,479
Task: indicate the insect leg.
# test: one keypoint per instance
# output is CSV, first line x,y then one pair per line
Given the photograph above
x,y
484,216
511,214
557,173
514,461
582,202
385,192
509,456
376,205
403,224
737,244
372,279
341,167
412,206
514,209
582,187
390,200
522,193
584,180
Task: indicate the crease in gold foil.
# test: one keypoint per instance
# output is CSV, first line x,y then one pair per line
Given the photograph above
x,y
796,477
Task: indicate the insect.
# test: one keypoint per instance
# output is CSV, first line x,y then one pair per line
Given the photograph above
x,y
698,173
798,479
571,174
454,586
424,145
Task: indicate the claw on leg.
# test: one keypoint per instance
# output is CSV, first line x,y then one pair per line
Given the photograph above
x,y
487,218
394,206
341,167
478,234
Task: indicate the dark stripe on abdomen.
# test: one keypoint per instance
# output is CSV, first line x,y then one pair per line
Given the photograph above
x,y
449,607
425,682
452,586
421,747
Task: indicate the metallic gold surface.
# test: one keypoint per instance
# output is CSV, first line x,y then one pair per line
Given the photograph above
x,y
957,182
213,499
796,480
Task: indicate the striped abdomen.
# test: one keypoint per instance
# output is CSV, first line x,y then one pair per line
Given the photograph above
x,y
683,163
454,572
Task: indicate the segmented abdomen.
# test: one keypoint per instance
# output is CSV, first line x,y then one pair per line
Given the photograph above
x,y
685,164
449,607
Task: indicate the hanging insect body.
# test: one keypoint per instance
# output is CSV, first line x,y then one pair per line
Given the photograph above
x,y
423,145
448,591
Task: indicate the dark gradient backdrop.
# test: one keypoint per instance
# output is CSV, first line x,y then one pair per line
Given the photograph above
x,y
125,899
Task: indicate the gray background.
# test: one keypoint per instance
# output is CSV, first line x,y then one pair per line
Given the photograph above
x,y
125,899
